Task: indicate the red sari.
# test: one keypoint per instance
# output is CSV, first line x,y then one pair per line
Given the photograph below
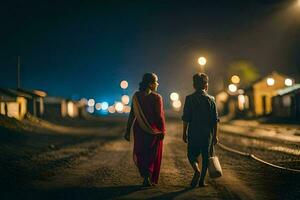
x,y
147,151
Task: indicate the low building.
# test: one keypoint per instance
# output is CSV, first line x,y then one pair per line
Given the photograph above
x,y
35,104
286,104
12,105
260,93
58,107
55,107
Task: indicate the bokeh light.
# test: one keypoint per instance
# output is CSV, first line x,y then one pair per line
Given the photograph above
x,y
288,82
270,81
84,101
98,106
235,79
174,96
91,102
124,84
232,88
202,61
127,109
104,105
119,107
176,104
125,99
111,109
90,109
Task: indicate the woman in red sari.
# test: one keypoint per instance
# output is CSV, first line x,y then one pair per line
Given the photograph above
x,y
147,118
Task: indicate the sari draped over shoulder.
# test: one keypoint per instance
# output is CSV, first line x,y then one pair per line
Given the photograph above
x,y
148,126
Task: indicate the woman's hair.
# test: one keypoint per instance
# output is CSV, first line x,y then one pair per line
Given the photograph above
x,y
148,78
200,80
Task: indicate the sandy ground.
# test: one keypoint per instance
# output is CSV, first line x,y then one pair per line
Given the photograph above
x,y
92,161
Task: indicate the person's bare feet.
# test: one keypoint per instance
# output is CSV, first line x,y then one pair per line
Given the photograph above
x,y
195,179
202,184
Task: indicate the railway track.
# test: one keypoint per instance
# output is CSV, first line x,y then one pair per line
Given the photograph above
x,y
281,154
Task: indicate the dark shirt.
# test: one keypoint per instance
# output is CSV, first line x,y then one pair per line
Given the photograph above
x,y
201,115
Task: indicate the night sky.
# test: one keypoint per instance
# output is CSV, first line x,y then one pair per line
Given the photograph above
x,y
85,48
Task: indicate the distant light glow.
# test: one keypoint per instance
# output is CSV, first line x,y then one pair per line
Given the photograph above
x,y
91,102
111,109
124,84
241,91
241,102
84,101
202,61
223,96
235,79
232,88
176,104
174,96
127,109
270,81
288,82
119,107
70,106
125,99
104,105
90,109
98,106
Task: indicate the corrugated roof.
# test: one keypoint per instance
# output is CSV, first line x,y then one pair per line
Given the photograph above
x,y
15,93
36,93
288,89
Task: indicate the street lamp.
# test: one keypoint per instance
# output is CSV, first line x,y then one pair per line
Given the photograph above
x,y
235,79
270,81
232,88
202,62
174,96
288,82
124,84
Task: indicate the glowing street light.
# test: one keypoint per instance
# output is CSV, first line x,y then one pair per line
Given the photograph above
x,y
202,61
111,109
125,99
241,102
127,109
90,109
235,79
288,82
124,84
232,88
84,101
174,96
91,102
104,105
119,107
98,106
176,104
270,81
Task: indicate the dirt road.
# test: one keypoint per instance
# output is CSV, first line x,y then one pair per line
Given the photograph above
x,y
96,163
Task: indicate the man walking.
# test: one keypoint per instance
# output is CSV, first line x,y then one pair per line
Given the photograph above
x,y
199,127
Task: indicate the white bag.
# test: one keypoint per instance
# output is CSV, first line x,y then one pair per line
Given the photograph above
x,y
214,167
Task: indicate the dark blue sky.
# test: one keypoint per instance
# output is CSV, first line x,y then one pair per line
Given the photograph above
x,y
85,49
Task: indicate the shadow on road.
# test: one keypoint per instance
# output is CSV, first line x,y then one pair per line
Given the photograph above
x,y
73,193
170,195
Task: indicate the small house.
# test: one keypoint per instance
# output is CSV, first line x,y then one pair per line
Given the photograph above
x,y
260,93
12,105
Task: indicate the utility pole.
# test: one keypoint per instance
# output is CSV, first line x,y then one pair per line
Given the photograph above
x,y
18,75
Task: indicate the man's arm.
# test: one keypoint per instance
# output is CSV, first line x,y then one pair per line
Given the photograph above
x,y
215,120
184,131
186,118
215,134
